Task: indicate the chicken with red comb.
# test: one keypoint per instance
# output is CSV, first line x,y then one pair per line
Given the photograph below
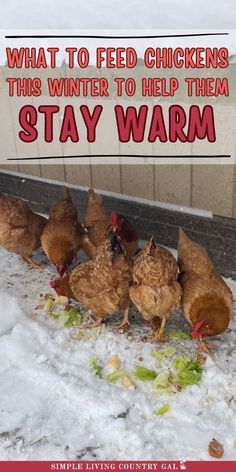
x,y
62,287
126,232
97,224
101,284
62,235
207,301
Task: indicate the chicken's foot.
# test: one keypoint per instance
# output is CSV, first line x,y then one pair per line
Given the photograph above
x,y
159,336
94,324
204,347
32,263
125,323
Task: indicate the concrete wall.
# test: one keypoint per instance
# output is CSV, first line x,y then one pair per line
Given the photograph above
x,y
205,187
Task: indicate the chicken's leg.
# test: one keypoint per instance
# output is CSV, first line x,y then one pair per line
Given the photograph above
x,y
204,347
125,322
160,336
94,324
32,264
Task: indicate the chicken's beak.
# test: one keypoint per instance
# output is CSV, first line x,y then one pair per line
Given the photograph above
x,y
61,270
197,333
53,284
59,291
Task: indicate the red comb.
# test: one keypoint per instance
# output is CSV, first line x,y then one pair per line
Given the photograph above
x,y
53,283
196,330
113,218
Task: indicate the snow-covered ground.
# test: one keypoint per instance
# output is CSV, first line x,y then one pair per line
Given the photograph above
x,y
117,14
53,406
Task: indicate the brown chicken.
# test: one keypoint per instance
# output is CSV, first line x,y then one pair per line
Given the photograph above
x,y
126,232
20,228
98,222
156,292
207,301
102,284
62,234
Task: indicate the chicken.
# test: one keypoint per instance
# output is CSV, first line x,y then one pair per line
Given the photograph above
x,y
156,292
20,228
126,232
101,284
207,301
62,234
98,222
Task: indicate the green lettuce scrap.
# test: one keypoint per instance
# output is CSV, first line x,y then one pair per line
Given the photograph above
x,y
68,319
141,373
56,316
74,318
83,334
96,367
115,376
48,305
159,356
119,373
190,375
161,411
165,352
178,334
180,362
163,379
189,372
169,351
164,383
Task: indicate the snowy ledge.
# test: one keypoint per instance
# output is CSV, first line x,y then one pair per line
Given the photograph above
x,y
130,198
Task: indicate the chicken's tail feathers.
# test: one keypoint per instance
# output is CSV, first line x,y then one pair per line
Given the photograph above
x,y
94,198
184,241
152,245
67,193
91,191
183,238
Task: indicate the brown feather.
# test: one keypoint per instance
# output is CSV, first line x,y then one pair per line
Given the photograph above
x,y
191,256
154,265
206,297
157,292
63,286
102,284
127,234
155,302
20,227
96,221
62,235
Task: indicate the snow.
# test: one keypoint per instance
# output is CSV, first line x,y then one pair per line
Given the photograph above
x,y
117,14
10,312
53,407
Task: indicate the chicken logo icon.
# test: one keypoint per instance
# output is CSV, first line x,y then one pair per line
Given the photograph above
x,y
182,465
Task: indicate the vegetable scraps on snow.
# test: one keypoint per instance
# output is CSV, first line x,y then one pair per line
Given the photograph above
x,y
182,373
58,308
185,372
